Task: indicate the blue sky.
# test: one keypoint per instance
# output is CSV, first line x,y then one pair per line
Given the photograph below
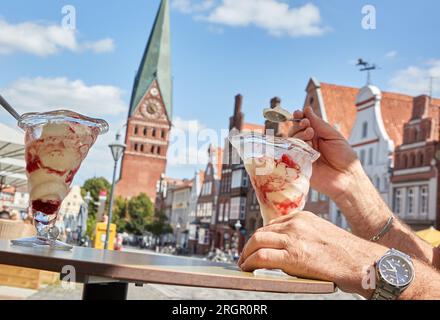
x,y
215,56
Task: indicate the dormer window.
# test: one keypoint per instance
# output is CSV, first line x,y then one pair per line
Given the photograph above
x,y
364,129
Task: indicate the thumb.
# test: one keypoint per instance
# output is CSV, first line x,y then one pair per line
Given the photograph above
x,y
322,128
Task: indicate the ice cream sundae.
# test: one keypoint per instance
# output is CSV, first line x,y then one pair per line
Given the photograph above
x,y
279,169
56,143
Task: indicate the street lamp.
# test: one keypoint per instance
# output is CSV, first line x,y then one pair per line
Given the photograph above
x,y
237,227
117,148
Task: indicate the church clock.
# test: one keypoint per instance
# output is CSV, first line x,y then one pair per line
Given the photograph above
x,y
151,109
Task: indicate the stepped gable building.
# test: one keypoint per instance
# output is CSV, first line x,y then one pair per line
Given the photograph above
x,y
372,121
415,179
150,114
205,214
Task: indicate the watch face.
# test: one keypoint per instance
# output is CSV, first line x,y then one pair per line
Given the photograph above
x,y
396,270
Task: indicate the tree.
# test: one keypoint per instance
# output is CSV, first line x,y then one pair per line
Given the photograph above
x,y
139,212
120,215
94,186
160,225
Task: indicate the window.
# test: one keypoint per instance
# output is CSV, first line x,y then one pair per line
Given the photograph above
x,y
162,134
420,159
314,196
410,201
424,200
235,208
136,129
245,180
322,197
364,129
397,163
145,131
370,156
226,214
153,133
221,209
311,101
377,182
152,149
142,148
242,209
362,157
158,150
411,162
135,147
405,161
236,178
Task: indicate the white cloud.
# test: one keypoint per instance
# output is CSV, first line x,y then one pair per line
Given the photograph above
x,y
42,94
415,80
391,54
275,16
191,6
44,40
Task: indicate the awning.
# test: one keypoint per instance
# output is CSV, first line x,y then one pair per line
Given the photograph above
x,y
12,164
430,235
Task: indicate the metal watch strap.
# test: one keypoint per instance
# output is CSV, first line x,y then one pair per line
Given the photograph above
x,y
384,291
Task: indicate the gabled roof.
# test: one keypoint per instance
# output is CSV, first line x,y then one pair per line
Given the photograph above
x,y
396,109
156,62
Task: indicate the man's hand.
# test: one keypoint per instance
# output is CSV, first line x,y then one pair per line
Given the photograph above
x,y
335,169
302,244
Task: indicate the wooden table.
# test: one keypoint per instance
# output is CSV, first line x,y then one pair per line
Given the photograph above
x,y
106,274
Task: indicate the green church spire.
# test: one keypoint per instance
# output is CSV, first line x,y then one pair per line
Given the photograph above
x,y
156,62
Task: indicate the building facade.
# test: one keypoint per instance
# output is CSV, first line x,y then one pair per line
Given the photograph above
x,y
234,188
415,179
372,121
150,114
205,213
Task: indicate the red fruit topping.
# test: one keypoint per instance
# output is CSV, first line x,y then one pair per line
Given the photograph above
x,y
287,206
46,207
288,161
32,163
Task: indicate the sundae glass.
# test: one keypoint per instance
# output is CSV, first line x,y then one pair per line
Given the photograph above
x,y
279,169
56,143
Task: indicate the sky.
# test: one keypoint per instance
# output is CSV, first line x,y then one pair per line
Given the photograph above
x,y
259,48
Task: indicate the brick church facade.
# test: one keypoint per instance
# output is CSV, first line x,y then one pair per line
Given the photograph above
x,y
149,118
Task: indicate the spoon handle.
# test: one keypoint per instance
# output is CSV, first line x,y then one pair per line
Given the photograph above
x,y
8,108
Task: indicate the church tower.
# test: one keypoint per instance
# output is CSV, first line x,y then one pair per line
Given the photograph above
x,y
149,117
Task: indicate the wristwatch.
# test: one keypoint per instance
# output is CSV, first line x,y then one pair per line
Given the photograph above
x,y
394,273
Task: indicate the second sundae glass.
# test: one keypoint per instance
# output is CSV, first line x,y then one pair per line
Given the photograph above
x,y
280,170
56,143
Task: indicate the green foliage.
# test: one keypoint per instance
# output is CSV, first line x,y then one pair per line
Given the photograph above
x,y
120,214
95,186
133,216
160,225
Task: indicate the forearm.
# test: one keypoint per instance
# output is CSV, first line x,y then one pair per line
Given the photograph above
x,y
353,275
367,214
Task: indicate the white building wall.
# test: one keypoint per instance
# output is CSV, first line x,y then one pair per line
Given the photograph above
x,y
372,144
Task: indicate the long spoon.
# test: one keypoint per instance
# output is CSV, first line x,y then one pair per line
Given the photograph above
x,y
9,108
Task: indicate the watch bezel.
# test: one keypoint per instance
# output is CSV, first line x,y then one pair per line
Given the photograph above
x,y
408,261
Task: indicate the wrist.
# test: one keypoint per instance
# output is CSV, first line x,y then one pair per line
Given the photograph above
x,y
357,272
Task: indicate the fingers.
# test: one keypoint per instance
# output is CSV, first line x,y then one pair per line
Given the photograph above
x,y
265,259
322,128
305,135
260,240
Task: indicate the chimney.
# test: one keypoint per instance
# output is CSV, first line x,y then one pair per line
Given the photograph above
x,y
236,121
269,125
420,107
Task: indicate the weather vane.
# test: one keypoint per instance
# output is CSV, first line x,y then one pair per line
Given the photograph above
x,y
366,66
